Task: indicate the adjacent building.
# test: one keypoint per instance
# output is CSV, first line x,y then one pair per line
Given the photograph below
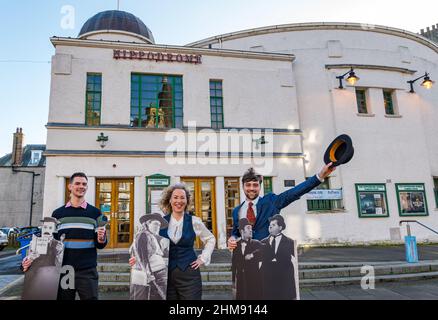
x,y
22,183
431,33
137,116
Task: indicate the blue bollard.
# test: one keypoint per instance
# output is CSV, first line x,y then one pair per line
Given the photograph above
x,y
411,249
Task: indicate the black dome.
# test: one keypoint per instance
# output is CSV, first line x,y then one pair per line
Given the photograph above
x,y
116,20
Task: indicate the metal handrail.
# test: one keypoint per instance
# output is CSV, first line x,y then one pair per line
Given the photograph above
x,y
415,221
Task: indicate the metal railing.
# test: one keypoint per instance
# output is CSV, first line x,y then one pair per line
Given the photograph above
x,y
408,228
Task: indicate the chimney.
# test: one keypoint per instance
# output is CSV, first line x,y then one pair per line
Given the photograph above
x,y
17,148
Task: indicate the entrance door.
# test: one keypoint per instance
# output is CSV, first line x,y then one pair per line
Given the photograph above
x,y
115,198
203,204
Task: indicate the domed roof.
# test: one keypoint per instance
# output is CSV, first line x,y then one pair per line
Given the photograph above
x,y
116,20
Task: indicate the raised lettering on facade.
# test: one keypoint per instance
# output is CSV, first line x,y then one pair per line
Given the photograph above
x,y
157,56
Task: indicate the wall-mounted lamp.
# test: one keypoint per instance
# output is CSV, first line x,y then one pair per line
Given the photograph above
x,y
102,139
427,83
260,141
351,79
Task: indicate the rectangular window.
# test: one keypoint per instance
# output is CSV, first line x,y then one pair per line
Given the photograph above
x,y
216,104
371,200
320,205
93,99
388,102
232,200
361,101
156,101
267,185
411,199
435,190
35,157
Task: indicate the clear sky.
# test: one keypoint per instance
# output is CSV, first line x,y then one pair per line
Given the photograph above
x,y
26,25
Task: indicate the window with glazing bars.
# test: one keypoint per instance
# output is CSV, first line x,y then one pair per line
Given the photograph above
x,y
216,104
267,185
435,182
93,99
156,101
361,101
387,99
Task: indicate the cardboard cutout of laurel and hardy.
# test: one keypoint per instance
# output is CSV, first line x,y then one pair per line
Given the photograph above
x,y
266,269
41,281
149,273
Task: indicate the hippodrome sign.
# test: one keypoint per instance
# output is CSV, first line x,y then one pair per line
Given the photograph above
x,y
157,56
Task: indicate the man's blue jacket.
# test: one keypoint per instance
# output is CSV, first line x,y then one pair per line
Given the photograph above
x,y
270,205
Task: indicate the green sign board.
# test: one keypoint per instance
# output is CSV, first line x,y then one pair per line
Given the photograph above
x,y
158,182
411,187
155,185
371,187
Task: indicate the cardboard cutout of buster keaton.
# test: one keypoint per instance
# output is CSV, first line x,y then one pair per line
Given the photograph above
x,y
279,267
41,281
151,252
245,265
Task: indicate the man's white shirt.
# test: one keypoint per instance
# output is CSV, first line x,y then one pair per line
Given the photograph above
x,y
277,241
243,210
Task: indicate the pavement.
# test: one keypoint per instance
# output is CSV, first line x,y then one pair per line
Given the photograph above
x,y
405,290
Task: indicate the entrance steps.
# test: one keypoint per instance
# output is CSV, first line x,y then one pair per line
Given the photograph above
x,y
217,276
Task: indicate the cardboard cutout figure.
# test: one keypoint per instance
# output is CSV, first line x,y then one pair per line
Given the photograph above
x,y
279,263
245,265
41,281
149,273
266,269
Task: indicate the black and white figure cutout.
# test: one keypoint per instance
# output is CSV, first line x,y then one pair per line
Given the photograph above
x,y
266,269
41,281
279,263
245,265
151,252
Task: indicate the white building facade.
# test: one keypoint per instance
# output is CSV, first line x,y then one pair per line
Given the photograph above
x,y
268,98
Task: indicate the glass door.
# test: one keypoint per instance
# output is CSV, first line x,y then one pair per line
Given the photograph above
x,y
115,199
203,205
232,200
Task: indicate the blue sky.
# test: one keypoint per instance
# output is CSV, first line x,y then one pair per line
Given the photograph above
x,y
27,25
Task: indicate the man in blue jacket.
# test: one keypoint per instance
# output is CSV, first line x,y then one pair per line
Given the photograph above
x,y
258,209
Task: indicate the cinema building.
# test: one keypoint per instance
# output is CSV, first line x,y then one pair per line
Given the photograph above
x,y
137,116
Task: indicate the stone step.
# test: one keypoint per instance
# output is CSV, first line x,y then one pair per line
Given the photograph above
x,y
114,277
216,267
218,276
403,268
207,286
312,270
324,282
124,267
212,286
113,267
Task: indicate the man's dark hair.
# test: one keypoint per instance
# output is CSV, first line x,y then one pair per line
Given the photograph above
x,y
251,175
78,174
280,221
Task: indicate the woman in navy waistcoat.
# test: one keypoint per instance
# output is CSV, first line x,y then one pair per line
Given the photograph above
x,y
184,277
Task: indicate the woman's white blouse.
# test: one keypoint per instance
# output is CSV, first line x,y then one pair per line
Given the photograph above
x,y
174,232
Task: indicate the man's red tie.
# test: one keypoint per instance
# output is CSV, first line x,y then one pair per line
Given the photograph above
x,y
250,213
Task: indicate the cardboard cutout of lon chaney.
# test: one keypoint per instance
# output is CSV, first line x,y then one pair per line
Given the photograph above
x,y
266,269
41,281
149,274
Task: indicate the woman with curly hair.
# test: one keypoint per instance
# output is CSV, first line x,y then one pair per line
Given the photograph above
x,y
184,277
